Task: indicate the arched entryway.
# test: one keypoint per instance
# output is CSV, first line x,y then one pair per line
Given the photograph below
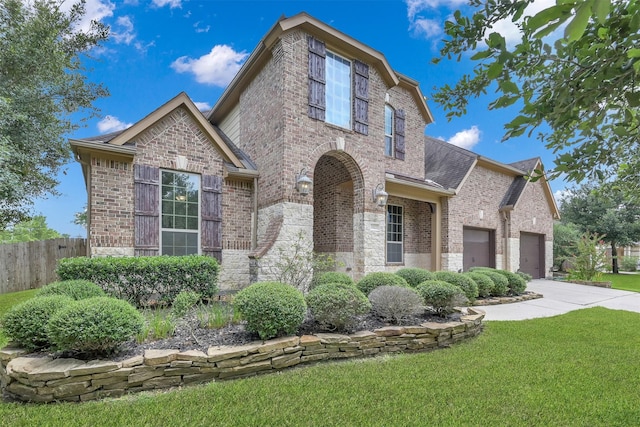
x,y
338,202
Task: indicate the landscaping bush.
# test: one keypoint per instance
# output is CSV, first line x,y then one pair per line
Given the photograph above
x,y
517,284
373,280
271,309
25,323
395,303
336,305
526,276
140,280
484,283
183,303
500,283
629,263
332,277
467,285
441,296
414,276
94,325
75,289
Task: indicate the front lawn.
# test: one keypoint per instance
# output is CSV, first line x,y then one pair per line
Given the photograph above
x,y
625,282
581,368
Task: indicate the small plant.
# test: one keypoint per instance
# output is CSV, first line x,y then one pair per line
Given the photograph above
x,y
336,305
526,276
158,325
372,280
395,303
517,284
183,302
26,322
589,259
217,315
484,283
332,277
75,289
271,309
629,263
500,283
94,325
468,286
441,296
414,276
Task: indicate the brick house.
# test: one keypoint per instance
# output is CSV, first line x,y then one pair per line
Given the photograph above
x,y
311,106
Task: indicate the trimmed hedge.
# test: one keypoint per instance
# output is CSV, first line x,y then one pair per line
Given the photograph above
x,y
26,323
395,303
441,296
515,282
94,325
141,280
332,277
271,309
336,305
500,283
75,289
373,280
467,285
414,276
484,283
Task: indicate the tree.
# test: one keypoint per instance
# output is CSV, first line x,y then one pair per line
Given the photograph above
x,y
42,83
565,240
584,87
80,218
604,210
27,231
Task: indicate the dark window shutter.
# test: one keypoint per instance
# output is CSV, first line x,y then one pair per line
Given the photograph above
x,y
211,215
399,135
317,55
361,101
147,210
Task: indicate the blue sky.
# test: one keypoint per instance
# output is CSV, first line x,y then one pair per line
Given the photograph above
x,y
159,48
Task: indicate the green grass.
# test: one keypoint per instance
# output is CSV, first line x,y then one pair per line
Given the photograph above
x,y
625,282
9,300
578,369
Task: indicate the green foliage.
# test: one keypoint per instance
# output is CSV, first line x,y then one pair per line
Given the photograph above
x,y
373,280
590,258
500,282
26,322
94,325
565,238
441,296
629,263
483,282
517,284
28,231
216,315
525,276
183,302
395,303
332,277
468,286
158,325
336,305
44,92
139,279
583,88
414,276
75,289
271,309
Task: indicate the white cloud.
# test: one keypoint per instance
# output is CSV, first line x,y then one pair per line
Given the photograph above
x,y
562,195
216,68
428,28
416,6
200,29
510,30
171,3
123,32
467,138
112,124
203,106
95,10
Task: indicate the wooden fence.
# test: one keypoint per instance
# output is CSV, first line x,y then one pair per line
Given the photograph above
x,y
30,265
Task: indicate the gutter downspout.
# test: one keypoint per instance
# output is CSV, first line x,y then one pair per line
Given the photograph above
x,y
506,217
254,217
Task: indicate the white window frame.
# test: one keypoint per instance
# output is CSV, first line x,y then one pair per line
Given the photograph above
x,y
399,212
388,137
335,100
180,230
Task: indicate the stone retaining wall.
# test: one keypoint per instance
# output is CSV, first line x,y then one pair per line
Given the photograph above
x,y
44,379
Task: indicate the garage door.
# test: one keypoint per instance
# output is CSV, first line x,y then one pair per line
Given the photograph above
x,y
479,248
532,254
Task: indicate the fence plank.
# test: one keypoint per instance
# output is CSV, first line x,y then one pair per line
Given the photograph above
x,y
30,265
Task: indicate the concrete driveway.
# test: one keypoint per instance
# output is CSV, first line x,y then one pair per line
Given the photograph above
x,y
561,297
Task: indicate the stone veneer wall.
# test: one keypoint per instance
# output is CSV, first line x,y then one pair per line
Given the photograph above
x,y
43,379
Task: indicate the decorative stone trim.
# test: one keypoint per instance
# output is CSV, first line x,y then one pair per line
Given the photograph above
x,y
43,379
591,283
508,300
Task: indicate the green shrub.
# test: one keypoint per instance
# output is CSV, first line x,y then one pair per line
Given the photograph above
x,y
484,283
336,305
25,323
395,303
183,302
271,309
467,285
75,289
373,280
500,283
629,263
526,276
141,279
517,284
94,325
441,296
414,276
332,277
158,325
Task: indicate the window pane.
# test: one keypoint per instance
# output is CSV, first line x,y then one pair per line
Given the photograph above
x,y
192,223
180,211
192,209
338,91
394,234
180,223
167,221
181,208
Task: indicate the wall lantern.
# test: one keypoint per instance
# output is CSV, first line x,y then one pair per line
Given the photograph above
x,y
379,195
303,182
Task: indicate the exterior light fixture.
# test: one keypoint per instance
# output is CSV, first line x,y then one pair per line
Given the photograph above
x,y
303,182
379,195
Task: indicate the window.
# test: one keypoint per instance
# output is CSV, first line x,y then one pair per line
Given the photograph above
x,y
180,222
394,234
338,91
388,130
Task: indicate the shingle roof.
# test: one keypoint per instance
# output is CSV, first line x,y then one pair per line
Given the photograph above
x,y
244,158
517,186
445,163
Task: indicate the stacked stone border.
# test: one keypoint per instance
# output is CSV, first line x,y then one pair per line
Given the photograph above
x,y
44,379
527,296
